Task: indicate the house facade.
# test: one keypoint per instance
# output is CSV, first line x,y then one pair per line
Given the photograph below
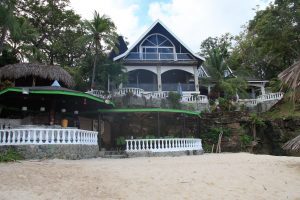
x,y
159,62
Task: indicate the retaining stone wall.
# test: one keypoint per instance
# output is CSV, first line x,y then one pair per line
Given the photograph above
x,y
72,152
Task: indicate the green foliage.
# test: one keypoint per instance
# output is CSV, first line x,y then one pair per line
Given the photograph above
x,y
256,120
174,99
120,141
10,155
245,140
223,44
212,136
270,42
150,137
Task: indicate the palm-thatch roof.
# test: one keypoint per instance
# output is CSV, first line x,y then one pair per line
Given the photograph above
x,y
51,72
291,77
293,144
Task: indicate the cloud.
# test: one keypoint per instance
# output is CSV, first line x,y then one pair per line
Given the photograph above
x,y
121,12
195,20
191,20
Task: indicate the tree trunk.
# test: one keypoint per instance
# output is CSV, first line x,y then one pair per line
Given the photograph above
x,y
94,71
254,131
3,35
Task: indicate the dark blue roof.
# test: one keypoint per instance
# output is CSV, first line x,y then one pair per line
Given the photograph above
x,y
121,46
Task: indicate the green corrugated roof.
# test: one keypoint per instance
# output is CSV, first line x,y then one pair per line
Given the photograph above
x,y
132,110
58,91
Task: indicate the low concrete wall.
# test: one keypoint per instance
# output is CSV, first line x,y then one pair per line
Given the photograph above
x,y
163,154
72,152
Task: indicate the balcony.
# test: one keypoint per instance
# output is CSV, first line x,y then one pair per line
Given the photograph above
x,y
174,86
159,56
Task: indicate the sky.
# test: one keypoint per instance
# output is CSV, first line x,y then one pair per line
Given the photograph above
x,y
190,20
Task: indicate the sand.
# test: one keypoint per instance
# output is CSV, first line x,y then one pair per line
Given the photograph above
x,y
209,176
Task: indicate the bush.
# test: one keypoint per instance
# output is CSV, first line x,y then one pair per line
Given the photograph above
x,y
212,136
174,99
245,140
10,155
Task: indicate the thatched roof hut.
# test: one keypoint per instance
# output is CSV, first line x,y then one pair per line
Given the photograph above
x,y
36,70
293,144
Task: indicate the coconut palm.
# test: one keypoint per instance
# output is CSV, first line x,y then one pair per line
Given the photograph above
x,y
221,75
102,33
291,78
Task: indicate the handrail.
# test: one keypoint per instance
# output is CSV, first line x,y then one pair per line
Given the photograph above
x,y
163,145
39,136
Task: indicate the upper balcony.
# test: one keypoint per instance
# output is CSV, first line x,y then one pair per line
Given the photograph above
x,y
159,57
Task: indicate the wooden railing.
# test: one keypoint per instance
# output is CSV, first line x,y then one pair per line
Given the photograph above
x,y
163,145
39,136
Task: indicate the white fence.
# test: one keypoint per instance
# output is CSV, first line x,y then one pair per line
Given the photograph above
x,y
270,96
99,93
194,98
124,91
163,145
261,98
47,136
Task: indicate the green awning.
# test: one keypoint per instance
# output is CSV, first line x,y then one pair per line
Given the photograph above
x,y
56,91
136,110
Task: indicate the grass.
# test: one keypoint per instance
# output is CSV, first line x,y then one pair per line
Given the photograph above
x,y
10,155
283,109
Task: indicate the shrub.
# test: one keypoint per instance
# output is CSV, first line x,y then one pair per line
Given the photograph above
x,y
10,155
245,140
174,99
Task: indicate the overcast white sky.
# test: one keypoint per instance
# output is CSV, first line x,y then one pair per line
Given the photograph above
x,y
191,20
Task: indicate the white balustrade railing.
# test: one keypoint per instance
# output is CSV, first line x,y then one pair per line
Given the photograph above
x,y
155,95
270,96
99,93
261,98
194,98
41,136
163,145
248,102
124,91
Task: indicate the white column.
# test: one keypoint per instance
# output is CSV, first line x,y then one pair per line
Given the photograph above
x,y
262,88
159,85
196,79
208,89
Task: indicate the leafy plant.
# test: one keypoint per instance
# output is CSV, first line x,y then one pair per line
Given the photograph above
x,y
245,140
212,135
120,141
174,99
10,155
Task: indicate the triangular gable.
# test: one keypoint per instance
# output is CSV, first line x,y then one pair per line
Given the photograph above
x,y
152,29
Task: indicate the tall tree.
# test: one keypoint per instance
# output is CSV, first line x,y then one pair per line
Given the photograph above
x,y
271,41
102,34
8,20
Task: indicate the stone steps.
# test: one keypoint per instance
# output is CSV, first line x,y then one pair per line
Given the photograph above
x,y
114,154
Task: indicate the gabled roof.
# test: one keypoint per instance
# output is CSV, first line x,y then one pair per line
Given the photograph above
x,y
149,30
121,46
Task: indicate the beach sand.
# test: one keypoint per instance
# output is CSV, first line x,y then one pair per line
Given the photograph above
x,y
208,176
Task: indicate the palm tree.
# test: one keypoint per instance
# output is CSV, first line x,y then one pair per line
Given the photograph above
x,y
8,21
102,33
222,76
291,77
